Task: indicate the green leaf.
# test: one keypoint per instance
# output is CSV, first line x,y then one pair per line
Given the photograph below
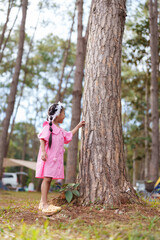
x,y
76,193
76,185
69,196
71,185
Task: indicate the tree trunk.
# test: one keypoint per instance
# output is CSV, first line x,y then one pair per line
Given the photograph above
x,y
58,96
76,100
146,127
154,163
22,88
23,157
102,174
134,168
13,89
10,5
7,38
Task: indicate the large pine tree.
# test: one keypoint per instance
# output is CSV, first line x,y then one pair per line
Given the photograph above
x,y
102,174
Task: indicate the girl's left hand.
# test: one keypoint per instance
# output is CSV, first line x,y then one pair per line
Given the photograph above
x,y
82,123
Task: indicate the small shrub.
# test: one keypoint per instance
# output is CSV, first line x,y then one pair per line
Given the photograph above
x,y
70,190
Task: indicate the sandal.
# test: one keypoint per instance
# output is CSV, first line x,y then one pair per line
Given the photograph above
x,y
40,207
51,209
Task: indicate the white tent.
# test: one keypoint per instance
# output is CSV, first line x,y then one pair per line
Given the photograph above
x,y
10,162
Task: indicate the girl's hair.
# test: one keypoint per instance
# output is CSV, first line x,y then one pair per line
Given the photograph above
x,y
51,111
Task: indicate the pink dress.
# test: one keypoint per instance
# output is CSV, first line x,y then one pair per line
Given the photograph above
x,y
53,167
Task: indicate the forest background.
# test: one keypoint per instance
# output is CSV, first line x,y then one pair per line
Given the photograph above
x,y
50,38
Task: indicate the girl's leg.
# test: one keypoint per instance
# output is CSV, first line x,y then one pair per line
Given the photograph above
x,y
47,185
44,190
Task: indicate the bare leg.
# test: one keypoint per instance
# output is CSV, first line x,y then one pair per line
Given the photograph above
x,y
44,190
48,185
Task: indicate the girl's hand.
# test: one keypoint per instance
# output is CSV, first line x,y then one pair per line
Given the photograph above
x,y
81,124
44,156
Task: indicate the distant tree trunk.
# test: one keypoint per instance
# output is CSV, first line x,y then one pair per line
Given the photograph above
x,y
13,89
66,84
10,5
102,175
58,96
76,100
154,163
22,87
23,157
125,160
146,127
7,38
134,167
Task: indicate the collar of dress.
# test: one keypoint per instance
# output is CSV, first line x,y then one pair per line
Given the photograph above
x,y
54,127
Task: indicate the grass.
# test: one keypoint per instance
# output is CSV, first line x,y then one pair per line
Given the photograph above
x,y
79,230
20,220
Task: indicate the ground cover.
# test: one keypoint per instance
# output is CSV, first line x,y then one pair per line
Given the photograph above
x,y
21,219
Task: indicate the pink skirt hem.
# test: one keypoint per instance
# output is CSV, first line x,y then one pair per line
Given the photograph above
x,y
50,177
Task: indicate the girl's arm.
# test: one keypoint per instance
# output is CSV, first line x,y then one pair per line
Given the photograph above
x,y
43,153
82,123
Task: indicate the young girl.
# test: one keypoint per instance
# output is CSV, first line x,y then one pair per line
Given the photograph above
x,y
50,158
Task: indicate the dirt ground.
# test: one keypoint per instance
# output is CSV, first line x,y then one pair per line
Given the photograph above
x,y
25,206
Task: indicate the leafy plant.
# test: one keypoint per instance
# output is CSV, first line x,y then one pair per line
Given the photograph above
x,y
70,190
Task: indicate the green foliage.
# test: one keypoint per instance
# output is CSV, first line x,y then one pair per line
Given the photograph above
x,y
24,136
70,190
136,67
69,196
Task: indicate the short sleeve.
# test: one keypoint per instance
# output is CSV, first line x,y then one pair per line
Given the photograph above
x,y
67,137
44,134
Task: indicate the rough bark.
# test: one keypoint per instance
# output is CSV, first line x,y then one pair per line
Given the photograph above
x,y
102,174
13,89
154,163
76,100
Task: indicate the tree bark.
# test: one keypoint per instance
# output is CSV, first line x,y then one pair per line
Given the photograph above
x,y
76,100
102,175
154,163
13,89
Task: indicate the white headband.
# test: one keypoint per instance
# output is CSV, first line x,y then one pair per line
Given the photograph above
x,y
58,110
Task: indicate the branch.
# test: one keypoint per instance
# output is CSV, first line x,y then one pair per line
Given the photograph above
x,y
66,51
4,45
23,83
65,89
10,4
